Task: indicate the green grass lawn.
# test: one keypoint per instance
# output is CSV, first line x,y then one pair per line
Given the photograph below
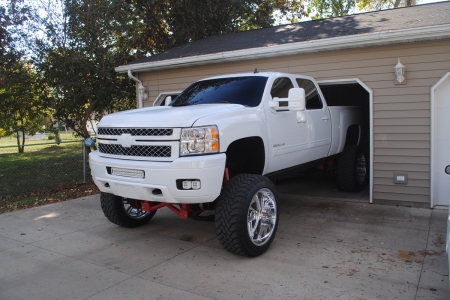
x,y
41,168
11,141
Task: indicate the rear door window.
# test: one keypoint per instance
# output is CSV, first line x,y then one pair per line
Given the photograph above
x,y
313,100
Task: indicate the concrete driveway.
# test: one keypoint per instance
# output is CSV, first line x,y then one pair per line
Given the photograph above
x,y
325,249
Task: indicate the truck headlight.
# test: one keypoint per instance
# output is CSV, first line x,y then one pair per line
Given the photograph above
x,y
199,140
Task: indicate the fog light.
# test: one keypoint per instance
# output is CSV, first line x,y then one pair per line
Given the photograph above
x,y
196,185
187,185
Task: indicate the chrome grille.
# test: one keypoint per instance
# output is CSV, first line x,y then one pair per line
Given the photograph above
x,y
136,150
137,131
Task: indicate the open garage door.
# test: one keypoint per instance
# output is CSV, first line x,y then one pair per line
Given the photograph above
x,y
353,92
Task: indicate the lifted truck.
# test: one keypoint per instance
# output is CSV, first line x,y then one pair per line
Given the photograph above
x,y
218,146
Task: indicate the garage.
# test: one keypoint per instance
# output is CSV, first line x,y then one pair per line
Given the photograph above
x,y
353,66
353,92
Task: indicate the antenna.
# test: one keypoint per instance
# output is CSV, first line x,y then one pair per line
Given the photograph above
x,y
256,71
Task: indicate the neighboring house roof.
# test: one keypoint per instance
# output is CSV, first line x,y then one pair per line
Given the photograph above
x,y
422,22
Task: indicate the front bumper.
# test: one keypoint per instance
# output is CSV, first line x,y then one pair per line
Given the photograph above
x,y
209,169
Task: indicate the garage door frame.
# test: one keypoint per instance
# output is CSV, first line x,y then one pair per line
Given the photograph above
x,y
358,81
432,135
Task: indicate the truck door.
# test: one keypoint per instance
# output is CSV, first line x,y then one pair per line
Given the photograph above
x,y
288,139
319,120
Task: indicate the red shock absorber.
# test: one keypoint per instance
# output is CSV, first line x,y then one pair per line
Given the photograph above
x,y
226,176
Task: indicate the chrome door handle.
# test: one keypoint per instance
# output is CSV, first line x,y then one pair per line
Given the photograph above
x,y
325,118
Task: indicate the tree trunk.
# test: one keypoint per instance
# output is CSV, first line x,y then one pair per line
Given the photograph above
x,y
23,141
19,146
86,118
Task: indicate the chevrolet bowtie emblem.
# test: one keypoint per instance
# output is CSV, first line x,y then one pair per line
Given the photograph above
x,y
125,140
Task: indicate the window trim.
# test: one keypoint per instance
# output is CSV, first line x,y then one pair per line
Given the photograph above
x,y
318,91
162,96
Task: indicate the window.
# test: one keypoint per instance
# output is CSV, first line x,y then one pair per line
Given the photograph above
x,y
163,103
161,99
246,91
281,87
313,100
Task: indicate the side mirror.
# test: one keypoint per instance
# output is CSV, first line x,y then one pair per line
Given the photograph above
x,y
296,99
447,169
167,100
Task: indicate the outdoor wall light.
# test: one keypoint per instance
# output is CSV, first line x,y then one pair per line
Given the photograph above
x,y
400,77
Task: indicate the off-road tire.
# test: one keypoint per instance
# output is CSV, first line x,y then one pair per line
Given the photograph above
x,y
232,214
352,164
114,210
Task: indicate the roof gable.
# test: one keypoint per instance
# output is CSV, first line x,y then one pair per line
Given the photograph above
x,y
420,16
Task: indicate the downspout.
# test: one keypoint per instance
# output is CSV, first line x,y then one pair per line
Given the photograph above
x,y
141,90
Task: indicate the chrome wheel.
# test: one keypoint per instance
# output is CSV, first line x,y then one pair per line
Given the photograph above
x,y
261,217
133,209
361,169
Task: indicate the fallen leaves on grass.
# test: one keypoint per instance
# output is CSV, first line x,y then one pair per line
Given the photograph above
x,y
78,190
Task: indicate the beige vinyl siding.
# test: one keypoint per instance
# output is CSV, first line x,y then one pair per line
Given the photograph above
x,y
401,113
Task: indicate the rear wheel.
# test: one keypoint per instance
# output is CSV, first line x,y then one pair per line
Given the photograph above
x,y
352,169
123,211
247,215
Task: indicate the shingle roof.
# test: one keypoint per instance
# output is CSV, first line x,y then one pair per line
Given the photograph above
x,y
386,20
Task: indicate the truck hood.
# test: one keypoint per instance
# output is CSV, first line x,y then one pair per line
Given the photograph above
x,y
165,116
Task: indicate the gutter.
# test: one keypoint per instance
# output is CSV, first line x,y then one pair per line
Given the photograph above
x,y
141,94
335,43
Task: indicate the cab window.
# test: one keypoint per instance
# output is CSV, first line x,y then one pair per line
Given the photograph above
x,y
281,87
313,100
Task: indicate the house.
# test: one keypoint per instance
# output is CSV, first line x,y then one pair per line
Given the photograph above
x,y
355,57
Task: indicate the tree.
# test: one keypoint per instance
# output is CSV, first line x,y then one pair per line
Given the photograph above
x,y
191,20
159,25
383,4
22,107
77,58
320,9
81,48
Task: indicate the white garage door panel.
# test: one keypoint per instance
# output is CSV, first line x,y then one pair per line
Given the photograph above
x,y
441,143
442,180
443,157
442,128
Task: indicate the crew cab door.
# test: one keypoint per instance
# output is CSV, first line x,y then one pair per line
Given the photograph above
x,y
319,121
288,138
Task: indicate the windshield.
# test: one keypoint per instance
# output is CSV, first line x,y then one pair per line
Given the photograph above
x,y
246,91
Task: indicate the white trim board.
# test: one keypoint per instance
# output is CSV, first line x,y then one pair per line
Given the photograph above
x,y
369,90
432,136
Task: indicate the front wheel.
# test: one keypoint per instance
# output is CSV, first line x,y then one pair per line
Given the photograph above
x,y
123,211
247,215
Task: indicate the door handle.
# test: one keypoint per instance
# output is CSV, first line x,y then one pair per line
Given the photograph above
x,y
300,117
325,118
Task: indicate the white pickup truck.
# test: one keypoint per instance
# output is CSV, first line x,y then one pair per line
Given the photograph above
x,y
219,146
